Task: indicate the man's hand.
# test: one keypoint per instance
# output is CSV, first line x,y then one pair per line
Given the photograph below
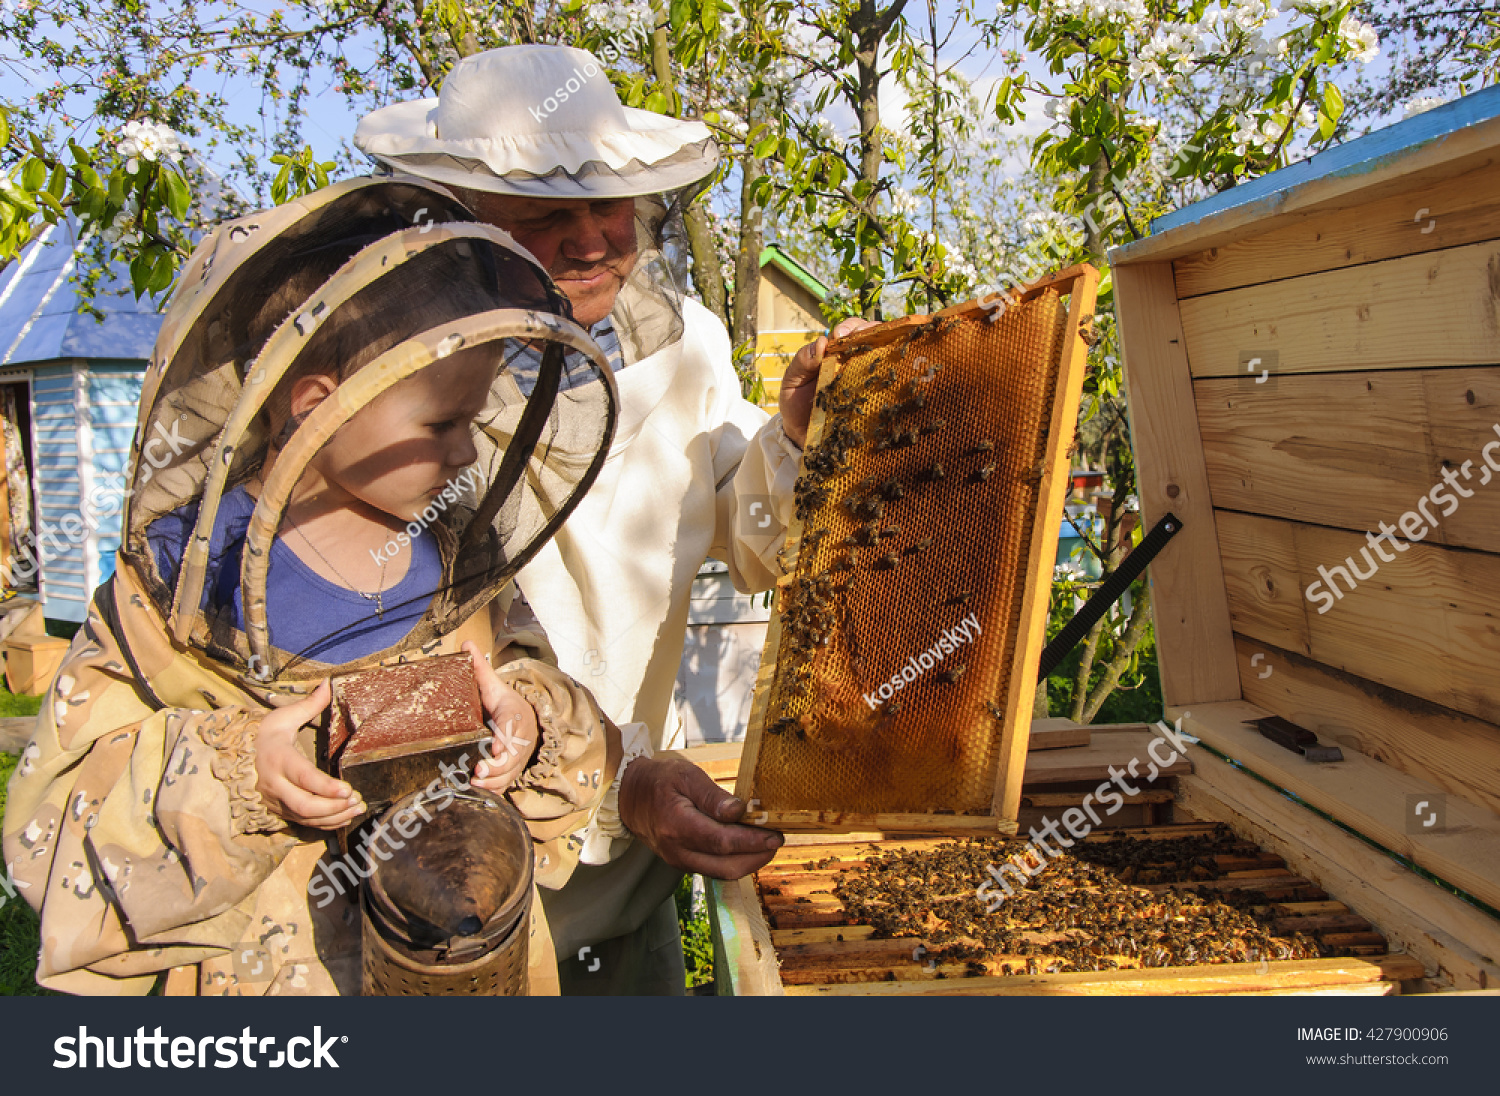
x,y
688,820
800,383
293,787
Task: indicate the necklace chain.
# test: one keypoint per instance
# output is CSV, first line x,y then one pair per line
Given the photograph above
x,y
375,597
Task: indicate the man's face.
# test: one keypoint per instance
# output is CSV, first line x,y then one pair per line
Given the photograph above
x,y
587,246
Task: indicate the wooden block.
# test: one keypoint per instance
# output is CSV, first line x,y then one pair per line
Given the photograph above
x,y
1093,762
1453,751
31,662
1193,639
1057,734
1414,312
1461,208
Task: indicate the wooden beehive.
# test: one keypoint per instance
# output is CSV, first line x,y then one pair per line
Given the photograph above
x,y
1307,355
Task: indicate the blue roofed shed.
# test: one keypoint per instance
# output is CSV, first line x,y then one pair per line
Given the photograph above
x,y
76,384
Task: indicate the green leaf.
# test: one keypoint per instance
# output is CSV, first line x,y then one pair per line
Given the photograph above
x,y
178,197
33,174
4,126
1333,102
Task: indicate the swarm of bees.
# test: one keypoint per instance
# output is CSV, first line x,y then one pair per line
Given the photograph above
x,y
1076,915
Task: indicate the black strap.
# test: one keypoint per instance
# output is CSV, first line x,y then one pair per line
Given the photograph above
x,y
1111,590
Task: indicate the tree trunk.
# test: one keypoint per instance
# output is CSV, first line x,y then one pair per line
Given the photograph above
x,y
747,265
708,276
869,25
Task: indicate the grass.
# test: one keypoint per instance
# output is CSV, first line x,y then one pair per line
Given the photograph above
x,y
20,939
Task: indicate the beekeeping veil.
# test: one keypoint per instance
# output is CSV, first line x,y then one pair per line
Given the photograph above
x,y
374,280
543,121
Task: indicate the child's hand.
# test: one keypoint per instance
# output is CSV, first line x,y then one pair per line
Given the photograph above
x,y
292,786
513,722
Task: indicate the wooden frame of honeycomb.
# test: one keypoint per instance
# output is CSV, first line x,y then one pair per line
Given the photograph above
x,y
899,670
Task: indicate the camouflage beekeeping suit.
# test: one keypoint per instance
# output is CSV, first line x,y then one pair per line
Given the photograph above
x,y
133,823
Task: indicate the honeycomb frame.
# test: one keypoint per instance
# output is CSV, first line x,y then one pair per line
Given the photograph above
x,y
825,751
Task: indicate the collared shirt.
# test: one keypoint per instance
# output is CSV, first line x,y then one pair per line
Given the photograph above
x,y
523,362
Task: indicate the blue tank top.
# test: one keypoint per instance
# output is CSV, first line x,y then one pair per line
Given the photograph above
x,y
309,616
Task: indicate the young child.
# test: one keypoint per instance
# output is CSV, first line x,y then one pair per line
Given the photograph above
x,y
168,811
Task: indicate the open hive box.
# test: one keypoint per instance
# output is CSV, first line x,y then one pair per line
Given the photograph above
x,y
1311,358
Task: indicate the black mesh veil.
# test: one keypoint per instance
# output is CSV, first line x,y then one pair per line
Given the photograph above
x,y
311,485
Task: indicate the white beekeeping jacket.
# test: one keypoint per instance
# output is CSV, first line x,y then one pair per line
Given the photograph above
x,y
695,470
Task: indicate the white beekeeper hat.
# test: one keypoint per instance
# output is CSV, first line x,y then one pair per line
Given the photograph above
x,y
539,121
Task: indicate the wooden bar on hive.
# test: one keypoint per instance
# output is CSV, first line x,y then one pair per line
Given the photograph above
x,y
920,556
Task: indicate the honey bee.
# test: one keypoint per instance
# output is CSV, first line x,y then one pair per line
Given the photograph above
x,y
932,473
920,546
885,562
983,474
982,446
930,427
951,676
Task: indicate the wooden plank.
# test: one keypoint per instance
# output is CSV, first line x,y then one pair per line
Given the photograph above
x,y
719,760
1416,312
1447,603
843,821
1195,649
1367,796
1458,943
744,960
1216,979
1052,493
1461,208
1455,752
1356,449
1057,734
1345,177
1093,762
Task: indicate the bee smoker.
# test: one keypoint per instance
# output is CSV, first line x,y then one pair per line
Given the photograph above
x,y
446,897
448,913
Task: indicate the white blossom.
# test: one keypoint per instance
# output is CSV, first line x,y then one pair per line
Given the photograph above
x,y
1360,38
147,141
1421,104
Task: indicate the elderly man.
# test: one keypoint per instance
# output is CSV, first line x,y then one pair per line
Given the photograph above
x,y
535,141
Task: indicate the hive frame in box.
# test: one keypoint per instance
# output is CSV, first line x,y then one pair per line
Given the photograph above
x,y
1079,284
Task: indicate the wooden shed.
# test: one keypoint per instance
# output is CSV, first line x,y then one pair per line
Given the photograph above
x,y
1313,362
71,386
789,316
